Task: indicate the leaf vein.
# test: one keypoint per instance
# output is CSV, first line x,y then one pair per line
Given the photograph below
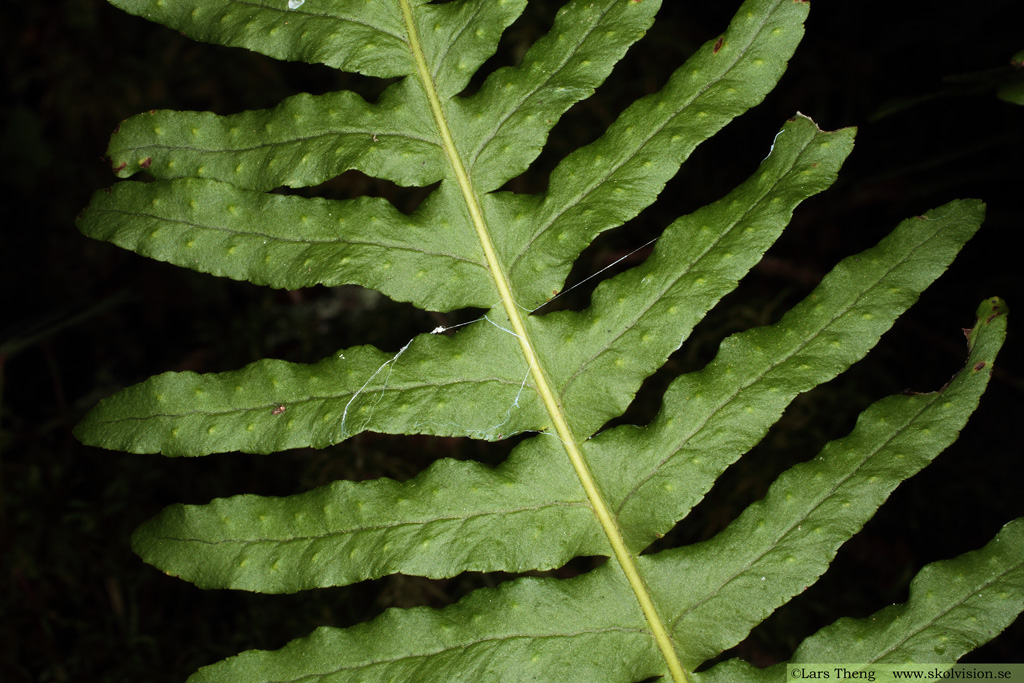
x,y
810,511
669,284
370,132
334,17
769,369
512,109
463,647
602,180
313,399
310,241
265,539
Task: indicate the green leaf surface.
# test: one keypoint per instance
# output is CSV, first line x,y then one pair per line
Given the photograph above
x,y
304,141
955,606
307,140
293,242
456,516
579,629
1014,93
640,317
209,200
698,260
225,551
526,630
713,416
273,405
781,545
601,186
360,37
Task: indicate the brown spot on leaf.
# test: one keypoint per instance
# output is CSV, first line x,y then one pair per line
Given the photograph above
x,y
718,45
278,410
997,311
980,365
120,167
146,162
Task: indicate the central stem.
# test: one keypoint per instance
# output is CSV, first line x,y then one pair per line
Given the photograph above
x,y
623,556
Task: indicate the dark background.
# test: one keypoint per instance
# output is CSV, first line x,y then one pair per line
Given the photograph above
x,y
81,319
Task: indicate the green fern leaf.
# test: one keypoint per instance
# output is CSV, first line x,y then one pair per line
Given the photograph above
x,y
954,605
572,487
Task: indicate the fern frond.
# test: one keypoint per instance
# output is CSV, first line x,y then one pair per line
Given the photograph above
x,y
573,486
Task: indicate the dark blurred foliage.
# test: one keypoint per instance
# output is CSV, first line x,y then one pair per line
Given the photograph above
x,y
81,319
